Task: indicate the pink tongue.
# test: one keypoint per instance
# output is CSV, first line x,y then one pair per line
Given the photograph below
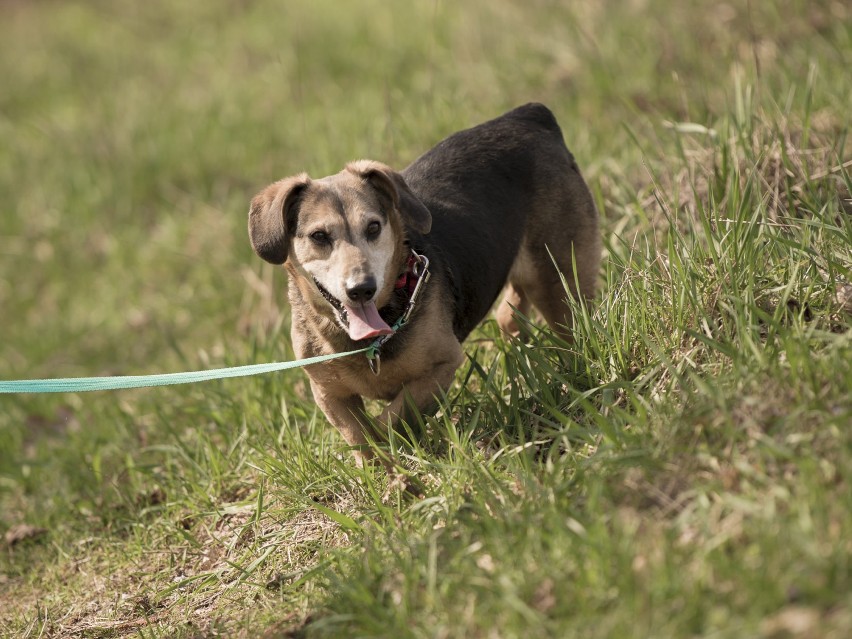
x,y
365,321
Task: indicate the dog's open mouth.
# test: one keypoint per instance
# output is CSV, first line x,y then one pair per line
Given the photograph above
x,y
360,321
336,303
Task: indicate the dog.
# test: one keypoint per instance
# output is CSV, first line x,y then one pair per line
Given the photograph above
x,y
410,262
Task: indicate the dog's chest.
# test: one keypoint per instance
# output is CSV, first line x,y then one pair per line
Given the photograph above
x,y
360,380
352,376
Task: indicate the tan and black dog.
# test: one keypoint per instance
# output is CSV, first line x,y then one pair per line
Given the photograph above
x,y
491,206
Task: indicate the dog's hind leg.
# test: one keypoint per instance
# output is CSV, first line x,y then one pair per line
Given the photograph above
x,y
537,277
547,292
514,300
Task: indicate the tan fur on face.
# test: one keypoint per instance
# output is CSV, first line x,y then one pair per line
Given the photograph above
x,y
342,209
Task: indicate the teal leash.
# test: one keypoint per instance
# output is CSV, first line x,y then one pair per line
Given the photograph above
x,y
85,384
420,269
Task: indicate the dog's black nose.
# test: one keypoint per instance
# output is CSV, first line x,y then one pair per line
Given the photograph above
x,y
363,292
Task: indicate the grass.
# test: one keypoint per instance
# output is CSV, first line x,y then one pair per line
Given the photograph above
x,y
680,470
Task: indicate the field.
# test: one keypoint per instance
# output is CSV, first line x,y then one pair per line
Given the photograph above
x,y
682,469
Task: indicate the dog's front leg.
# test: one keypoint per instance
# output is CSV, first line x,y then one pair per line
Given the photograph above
x,y
346,414
421,394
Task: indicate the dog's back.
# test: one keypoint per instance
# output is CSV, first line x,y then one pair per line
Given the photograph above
x,y
501,195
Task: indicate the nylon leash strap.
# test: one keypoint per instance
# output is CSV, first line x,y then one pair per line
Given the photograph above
x,y
85,384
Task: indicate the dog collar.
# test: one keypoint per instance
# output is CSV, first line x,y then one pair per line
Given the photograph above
x,y
408,280
413,281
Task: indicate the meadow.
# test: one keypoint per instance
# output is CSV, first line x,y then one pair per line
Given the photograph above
x,y
682,469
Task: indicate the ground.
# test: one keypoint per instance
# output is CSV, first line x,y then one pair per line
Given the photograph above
x,y
681,469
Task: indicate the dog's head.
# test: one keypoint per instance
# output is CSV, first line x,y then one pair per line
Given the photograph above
x,y
344,235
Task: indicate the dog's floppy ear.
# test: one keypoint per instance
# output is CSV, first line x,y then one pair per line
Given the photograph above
x,y
270,214
392,186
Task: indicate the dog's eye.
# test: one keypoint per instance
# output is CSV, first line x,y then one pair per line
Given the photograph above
x,y
373,230
320,237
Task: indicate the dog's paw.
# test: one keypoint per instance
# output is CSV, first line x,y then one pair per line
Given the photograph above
x,y
399,484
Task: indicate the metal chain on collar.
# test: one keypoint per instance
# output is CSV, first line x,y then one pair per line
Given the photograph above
x,y
420,269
